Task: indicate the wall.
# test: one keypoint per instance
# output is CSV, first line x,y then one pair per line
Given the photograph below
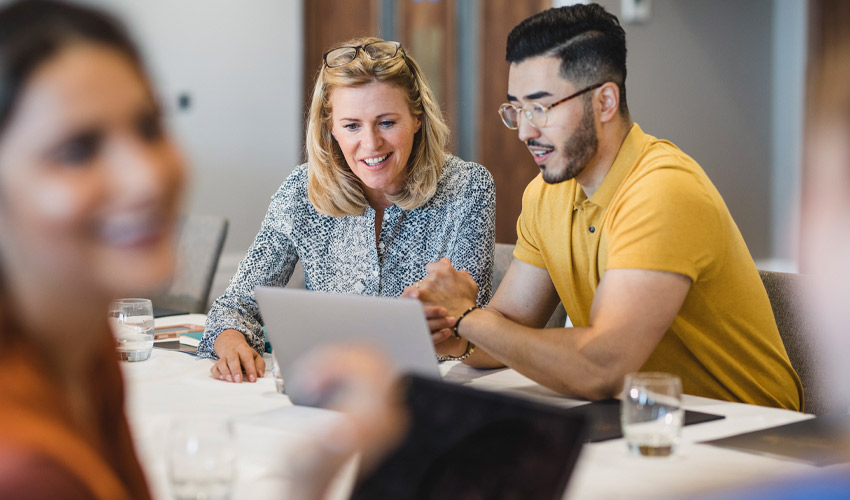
x,y
720,78
240,62
789,75
700,75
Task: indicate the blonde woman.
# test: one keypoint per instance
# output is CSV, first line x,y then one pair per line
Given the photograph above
x,y
377,200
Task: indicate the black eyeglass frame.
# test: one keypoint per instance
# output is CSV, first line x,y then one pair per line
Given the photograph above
x,y
542,107
358,48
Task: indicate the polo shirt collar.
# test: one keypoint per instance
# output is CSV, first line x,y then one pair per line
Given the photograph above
x,y
626,158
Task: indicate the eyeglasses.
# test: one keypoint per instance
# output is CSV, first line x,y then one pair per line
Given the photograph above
x,y
534,112
341,56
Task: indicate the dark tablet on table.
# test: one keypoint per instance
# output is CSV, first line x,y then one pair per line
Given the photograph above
x,y
466,443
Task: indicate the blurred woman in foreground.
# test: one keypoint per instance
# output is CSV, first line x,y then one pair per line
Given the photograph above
x,y
89,193
90,186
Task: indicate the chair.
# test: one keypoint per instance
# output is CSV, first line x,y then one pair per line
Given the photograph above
x,y
199,243
788,294
503,257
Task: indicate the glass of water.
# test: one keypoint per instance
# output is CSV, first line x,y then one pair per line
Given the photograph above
x,y
132,323
651,413
201,459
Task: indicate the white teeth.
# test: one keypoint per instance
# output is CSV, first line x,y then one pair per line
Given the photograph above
x,y
129,229
374,161
541,152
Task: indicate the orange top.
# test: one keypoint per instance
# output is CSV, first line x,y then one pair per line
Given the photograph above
x,y
42,452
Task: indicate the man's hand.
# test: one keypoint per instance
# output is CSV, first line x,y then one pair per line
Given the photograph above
x,y
235,355
446,293
441,332
446,287
439,323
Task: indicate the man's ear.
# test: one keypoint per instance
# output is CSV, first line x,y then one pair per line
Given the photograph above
x,y
608,97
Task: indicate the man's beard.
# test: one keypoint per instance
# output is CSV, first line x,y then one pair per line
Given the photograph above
x,y
581,147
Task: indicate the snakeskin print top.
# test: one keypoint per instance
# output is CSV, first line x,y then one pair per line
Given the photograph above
x,y
340,255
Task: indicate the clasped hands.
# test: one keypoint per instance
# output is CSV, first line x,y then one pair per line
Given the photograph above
x,y
445,293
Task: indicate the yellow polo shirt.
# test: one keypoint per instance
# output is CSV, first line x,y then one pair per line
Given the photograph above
x,y
657,209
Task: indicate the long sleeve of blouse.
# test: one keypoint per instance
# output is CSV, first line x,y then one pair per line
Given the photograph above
x,y
340,254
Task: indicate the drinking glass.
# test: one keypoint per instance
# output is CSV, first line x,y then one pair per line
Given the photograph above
x,y
133,326
651,413
201,459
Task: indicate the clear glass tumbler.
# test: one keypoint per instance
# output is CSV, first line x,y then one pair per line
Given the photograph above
x,y
133,325
651,413
201,458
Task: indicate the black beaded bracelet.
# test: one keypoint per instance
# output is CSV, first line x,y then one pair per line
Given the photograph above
x,y
457,323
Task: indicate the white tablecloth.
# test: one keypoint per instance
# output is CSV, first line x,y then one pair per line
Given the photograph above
x,y
270,431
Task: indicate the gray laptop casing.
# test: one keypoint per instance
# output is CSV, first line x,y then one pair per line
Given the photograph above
x,y
299,320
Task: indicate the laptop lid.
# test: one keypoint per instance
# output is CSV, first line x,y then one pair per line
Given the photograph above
x,y
299,320
467,443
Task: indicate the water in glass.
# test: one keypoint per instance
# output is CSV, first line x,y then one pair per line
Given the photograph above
x,y
201,459
278,376
651,413
132,323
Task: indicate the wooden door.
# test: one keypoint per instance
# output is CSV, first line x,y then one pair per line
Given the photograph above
x,y
498,147
427,30
329,22
826,86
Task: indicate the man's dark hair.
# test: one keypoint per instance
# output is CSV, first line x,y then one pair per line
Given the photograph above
x,y
588,39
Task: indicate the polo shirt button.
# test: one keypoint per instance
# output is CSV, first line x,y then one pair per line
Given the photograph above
x,y
375,273
381,245
591,229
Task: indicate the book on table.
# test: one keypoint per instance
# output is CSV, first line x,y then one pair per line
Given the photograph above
x,y
184,338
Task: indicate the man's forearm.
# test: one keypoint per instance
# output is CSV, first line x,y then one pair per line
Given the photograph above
x,y
557,358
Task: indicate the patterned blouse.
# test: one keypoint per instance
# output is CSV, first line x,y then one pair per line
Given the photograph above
x,y
339,254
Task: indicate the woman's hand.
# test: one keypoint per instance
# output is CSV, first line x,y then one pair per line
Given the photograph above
x,y
236,356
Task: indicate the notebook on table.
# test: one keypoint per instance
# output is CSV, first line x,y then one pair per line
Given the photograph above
x,y
183,338
604,416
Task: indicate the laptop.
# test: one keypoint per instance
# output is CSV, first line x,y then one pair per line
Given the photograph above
x,y
467,443
299,320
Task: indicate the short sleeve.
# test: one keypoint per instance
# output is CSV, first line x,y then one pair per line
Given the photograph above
x,y
527,242
667,220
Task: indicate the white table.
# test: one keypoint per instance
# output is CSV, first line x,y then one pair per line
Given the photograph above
x,y
270,430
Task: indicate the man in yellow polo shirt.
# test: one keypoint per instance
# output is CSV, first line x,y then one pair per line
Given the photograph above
x,y
623,228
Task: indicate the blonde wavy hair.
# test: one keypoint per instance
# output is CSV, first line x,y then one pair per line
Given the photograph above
x,y
333,188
